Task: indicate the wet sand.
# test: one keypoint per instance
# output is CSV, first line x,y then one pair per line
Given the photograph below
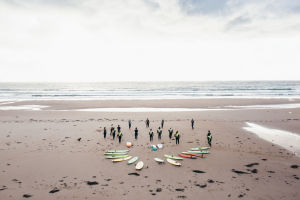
x,y
41,157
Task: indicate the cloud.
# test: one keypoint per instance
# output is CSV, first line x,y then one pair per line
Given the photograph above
x,y
105,39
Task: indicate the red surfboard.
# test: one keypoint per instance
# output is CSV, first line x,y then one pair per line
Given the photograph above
x,y
187,156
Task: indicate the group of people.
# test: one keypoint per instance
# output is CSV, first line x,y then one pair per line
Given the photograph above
x,y
151,133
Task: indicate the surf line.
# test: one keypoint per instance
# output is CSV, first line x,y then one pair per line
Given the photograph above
x,y
285,139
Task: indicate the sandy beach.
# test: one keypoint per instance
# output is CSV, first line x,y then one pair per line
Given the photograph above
x,y
41,157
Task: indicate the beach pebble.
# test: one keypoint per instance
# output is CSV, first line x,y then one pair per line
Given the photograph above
x,y
294,166
54,190
92,183
27,195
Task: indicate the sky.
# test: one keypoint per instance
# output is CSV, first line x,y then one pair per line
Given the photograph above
x,y
149,40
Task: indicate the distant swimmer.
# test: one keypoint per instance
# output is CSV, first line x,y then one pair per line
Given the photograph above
x,y
129,124
159,132
177,137
147,123
162,123
192,122
120,134
136,132
118,128
104,132
170,133
111,128
209,138
151,135
114,134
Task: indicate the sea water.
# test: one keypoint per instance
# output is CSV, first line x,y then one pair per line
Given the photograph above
x,y
149,90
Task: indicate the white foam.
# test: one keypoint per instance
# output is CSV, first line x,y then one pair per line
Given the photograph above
x,y
285,139
144,109
23,107
270,106
6,102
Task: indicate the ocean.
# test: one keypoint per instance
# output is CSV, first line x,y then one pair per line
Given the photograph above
x,y
149,90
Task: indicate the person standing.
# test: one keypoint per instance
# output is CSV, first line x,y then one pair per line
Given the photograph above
x,y
162,123
118,128
120,134
177,137
192,122
104,132
151,135
147,123
129,124
170,133
136,132
111,128
159,132
209,138
114,134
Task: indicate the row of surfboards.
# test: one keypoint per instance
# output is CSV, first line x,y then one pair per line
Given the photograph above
x,y
121,155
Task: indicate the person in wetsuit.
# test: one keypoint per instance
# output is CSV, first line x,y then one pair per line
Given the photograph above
x,y
136,132
170,133
159,132
151,135
104,132
192,123
209,138
177,137
120,134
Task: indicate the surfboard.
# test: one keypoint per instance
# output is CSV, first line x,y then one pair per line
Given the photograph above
x,y
154,148
160,146
187,156
122,159
199,152
128,144
132,160
173,157
139,165
116,156
116,151
173,162
193,154
199,148
159,160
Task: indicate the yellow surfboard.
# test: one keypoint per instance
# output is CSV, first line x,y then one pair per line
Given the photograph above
x,y
122,159
173,162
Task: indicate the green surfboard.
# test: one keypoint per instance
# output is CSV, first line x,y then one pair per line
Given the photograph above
x,y
199,148
199,152
115,153
173,157
132,160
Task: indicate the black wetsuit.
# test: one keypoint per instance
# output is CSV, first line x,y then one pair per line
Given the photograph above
x,y
112,129
104,133
192,123
170,133
209,138
120,137
162,123
129,124
177,136
136,132
114,134
151,135
159,132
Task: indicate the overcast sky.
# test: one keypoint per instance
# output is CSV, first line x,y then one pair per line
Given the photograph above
x,y
149,40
